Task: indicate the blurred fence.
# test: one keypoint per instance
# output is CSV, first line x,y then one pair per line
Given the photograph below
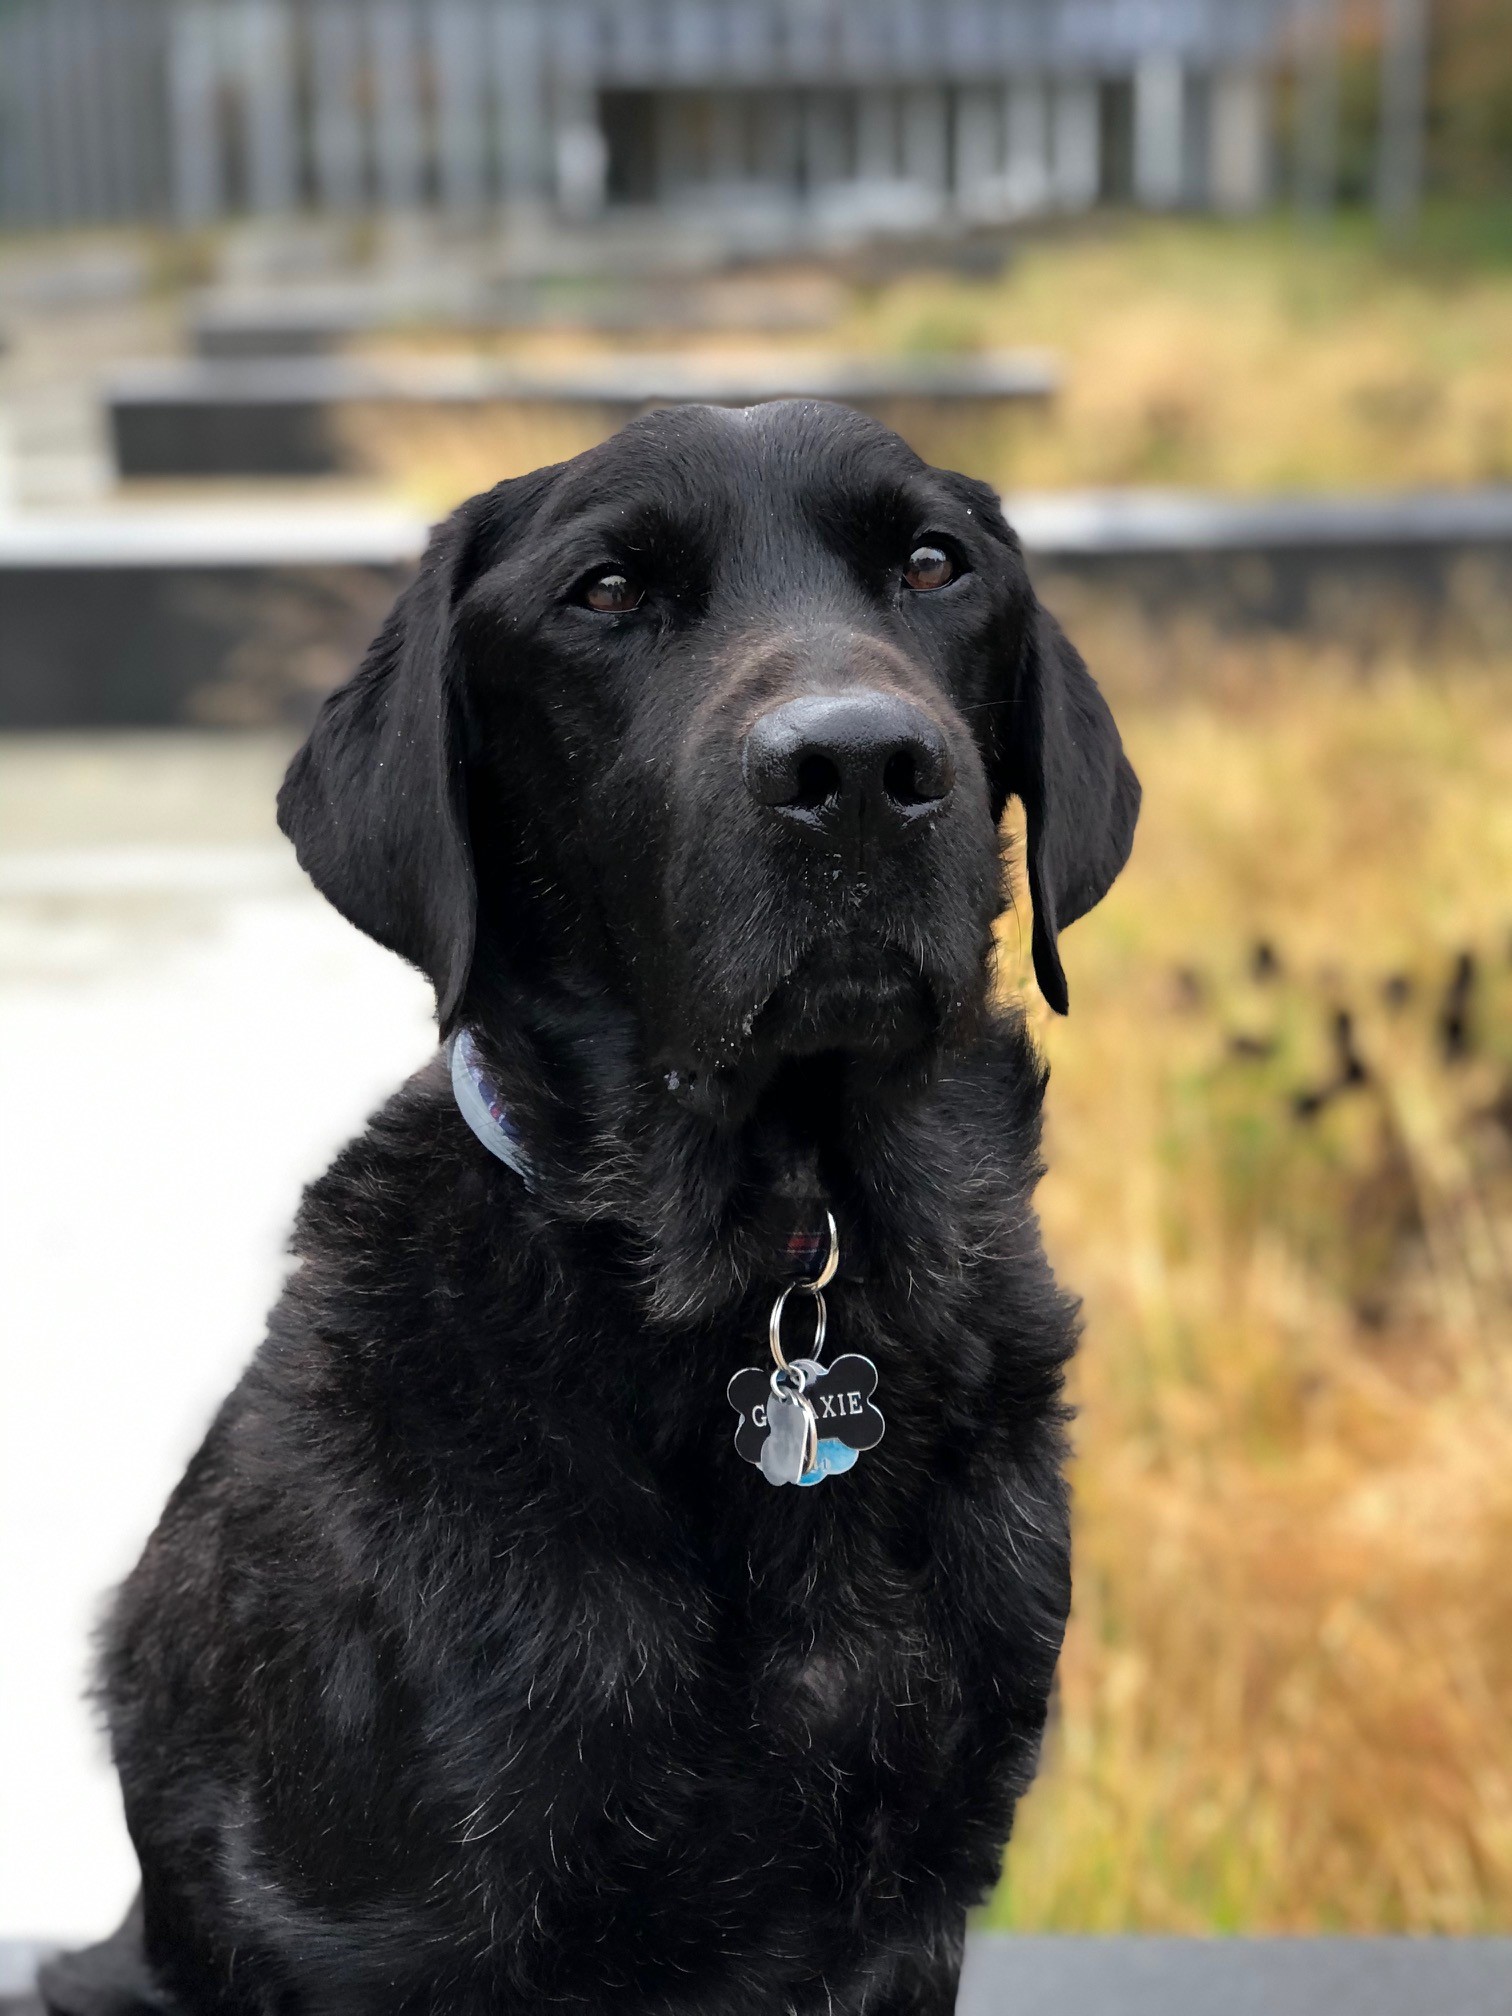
x,y
190,110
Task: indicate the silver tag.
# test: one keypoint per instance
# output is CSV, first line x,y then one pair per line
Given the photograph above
x,y
784,1454
847,1420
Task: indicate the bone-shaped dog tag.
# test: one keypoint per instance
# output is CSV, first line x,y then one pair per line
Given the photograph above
x,y
847,1420
843,1397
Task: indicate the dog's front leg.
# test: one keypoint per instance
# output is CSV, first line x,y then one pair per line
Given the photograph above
x,y
923,1979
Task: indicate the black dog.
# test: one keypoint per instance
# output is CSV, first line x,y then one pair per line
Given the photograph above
x,y
471,1668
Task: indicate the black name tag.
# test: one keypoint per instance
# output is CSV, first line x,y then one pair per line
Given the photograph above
x,y
841,1396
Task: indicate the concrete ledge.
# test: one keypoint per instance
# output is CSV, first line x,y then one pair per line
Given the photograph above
x,y
154,537
1133,1976
290,321
145,615
1082,523
1372,573
1129,1976
279,416
230,618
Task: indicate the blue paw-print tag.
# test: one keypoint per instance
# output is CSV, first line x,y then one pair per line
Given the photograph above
x,y
832,1458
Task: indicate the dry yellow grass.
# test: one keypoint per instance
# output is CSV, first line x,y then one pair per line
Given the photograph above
x,y
1234,357
1237,357
1286,1698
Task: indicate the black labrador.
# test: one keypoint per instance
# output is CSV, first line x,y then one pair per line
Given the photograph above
x,y
482,1661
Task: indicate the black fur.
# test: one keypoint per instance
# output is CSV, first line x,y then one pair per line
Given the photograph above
x,y
469,1668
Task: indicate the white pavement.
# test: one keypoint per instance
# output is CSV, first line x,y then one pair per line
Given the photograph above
x,y
186,1033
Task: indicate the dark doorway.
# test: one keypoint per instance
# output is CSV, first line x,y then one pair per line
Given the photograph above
x,y
1115,108
627,120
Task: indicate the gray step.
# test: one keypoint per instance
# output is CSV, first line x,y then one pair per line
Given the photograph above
x,y
278,416
265,323
139,618
1371,572
144,615
1135,1976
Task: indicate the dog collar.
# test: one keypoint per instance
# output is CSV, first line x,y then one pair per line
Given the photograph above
x,y
780,1412
481,1106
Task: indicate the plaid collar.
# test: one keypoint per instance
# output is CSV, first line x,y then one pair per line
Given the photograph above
x,y
793,1217
806,1253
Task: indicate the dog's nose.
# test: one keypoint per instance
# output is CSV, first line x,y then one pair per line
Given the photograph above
x,y
840,764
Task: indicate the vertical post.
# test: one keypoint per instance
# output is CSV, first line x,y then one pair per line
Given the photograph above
x,y
1159,130
23,199
519,63
193,74
48,135
398,142
1027,168
457,32
267,74
337,51
877,134
978,150
85,83
926,152
675,167
73,124
826,156
727,139
1404,91
582,155
144,72
1075,144
115,31
1239,141
778,142
1317,162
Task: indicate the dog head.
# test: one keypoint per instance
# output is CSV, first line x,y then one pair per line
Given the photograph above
x,y
718,721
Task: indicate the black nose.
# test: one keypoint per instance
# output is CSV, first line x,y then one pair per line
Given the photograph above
x,y
848,765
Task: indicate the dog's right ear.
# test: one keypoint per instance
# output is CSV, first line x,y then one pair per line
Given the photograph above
x,y
375,801
1079,791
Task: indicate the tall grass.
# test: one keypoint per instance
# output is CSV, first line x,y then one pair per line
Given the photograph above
x,y
1236,357
1280,1131
1239,357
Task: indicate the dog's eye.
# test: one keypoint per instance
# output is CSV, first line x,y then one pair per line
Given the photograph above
x,y
928,567
612,593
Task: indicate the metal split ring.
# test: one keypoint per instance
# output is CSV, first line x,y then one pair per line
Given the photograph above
x,y
831,1265
815,1289
774,1327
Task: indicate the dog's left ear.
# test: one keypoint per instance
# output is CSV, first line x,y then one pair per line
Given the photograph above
x,y
1062,755
375,801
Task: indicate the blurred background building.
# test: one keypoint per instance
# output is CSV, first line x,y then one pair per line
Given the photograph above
x,y
1218,294
892,113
